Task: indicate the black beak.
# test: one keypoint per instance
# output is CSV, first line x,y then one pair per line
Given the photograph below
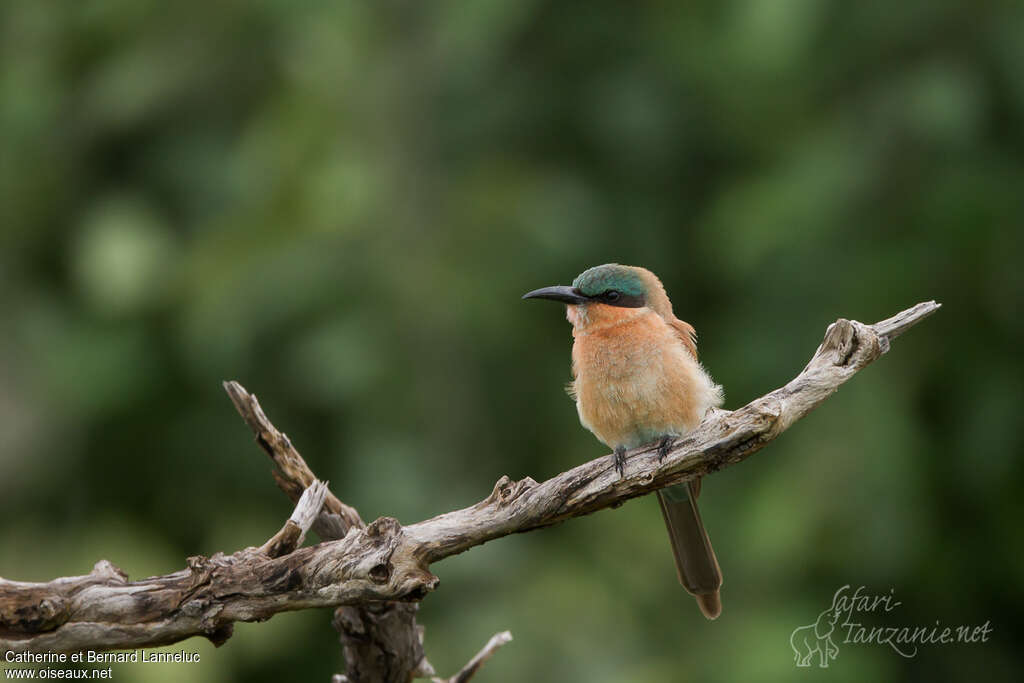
x,y
568,295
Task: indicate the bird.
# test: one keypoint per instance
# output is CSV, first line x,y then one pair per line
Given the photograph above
x,y
636,380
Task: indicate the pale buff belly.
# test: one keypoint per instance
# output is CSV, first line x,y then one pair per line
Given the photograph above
x,y
634,386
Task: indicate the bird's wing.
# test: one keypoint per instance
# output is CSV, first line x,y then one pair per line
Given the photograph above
x,y
686,334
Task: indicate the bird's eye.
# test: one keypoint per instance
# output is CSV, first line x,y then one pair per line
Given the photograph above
x,y
611,295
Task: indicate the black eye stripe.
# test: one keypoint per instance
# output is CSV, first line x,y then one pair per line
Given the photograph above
x,y
621,300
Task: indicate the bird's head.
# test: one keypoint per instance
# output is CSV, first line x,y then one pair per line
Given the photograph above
x,y
610,285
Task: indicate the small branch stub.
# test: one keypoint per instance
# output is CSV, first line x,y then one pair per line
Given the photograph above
x,y
294,531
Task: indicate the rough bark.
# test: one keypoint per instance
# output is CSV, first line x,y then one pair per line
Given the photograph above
x,y
382,562
380,641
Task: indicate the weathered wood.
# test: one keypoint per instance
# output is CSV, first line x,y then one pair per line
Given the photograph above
x,y
381,642
293,533
292,474
473,665
385,561
103,610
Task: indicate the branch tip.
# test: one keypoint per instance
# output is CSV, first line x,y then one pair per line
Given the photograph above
x,y
467,672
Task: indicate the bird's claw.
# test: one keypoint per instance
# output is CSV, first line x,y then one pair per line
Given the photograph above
x,y
619,460
664,446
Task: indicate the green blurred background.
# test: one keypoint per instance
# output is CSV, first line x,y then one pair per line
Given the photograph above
x,y
339,205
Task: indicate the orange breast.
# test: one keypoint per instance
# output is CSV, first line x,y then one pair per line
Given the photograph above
x,y
634,381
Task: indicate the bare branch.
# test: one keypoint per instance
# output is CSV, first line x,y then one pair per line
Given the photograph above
x,y
381,641
386,561
893,327
294,530
103,610
473,665
723,438
292,475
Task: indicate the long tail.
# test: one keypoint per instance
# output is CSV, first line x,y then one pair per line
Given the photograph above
x,y
695,558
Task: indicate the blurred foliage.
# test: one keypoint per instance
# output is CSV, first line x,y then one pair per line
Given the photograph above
x,y
339,204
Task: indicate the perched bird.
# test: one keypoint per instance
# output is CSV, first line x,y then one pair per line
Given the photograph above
x,y
636,380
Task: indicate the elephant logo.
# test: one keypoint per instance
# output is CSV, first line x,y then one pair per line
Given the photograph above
x,y
816,638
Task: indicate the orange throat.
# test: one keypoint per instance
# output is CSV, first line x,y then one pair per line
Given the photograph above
x,y
591,317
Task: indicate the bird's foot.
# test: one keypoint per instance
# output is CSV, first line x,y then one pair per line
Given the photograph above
x,y
664,446
619,460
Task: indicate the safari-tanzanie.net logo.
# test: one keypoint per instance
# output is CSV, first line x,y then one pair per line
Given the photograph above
x,y
854,618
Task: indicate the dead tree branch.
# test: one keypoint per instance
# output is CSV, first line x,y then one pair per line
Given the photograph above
x,y
384,561
292,474
473,665
103,610
380,641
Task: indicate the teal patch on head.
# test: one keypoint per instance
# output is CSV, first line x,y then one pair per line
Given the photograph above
x,y
600,279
